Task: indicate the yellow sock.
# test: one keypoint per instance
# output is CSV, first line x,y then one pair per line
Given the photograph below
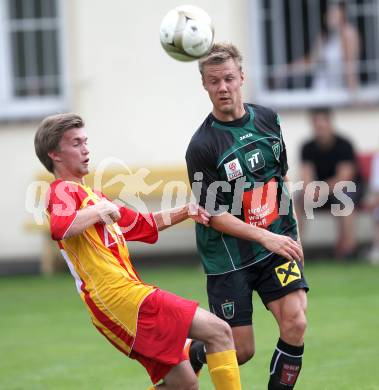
x,y
151,388
224,370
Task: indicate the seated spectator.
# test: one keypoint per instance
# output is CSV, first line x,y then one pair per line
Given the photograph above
x,y
329,157
374,205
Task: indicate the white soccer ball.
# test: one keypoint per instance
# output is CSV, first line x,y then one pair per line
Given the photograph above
x,y
186,33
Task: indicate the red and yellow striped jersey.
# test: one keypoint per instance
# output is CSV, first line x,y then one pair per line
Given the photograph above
x,y
99,260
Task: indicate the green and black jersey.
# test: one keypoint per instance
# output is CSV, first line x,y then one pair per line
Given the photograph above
x,y
239,167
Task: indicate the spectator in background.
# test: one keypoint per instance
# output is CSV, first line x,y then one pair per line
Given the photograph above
x,y
329,157
333,59
336,53
374,205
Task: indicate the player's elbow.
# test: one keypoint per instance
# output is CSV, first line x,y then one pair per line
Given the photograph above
x,y
57,235
62,235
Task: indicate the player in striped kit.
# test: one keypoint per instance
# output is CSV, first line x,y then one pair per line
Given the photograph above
x,y
142,321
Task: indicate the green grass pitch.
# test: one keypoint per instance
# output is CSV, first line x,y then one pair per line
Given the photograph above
x,y
47,341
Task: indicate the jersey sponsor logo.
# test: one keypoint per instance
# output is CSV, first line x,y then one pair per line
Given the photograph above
x,y
228,310
276,149
248,135
233,169
255,160
260,206
288,273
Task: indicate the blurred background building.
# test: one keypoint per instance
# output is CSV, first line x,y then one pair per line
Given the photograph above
x,y
104,61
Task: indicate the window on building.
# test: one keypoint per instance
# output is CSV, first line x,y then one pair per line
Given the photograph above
x,y
311,52
32,74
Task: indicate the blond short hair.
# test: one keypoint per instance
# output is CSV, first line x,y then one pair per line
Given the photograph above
x,y
220,53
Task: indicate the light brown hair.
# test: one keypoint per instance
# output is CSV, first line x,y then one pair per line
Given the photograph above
x,y
220,53
50,132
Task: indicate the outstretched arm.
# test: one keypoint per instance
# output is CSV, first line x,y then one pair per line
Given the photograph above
x,y
167,218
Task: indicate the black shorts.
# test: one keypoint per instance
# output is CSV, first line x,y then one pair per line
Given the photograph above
x,y
230,294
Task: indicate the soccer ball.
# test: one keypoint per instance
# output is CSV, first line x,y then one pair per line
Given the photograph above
x,y
186,33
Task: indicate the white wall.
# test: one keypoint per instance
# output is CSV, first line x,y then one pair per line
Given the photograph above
x,y
17,163
140,105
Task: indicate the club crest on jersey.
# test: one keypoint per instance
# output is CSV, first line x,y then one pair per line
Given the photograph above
x,y
228,310
255,160
276,149
233,169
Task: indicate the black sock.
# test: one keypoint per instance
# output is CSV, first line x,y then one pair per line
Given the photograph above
x,y
197,355
285,366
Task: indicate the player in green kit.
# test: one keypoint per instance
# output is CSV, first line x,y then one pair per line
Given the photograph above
x,y
237,165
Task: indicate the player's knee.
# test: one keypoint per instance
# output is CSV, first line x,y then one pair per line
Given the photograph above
x,y
222,334
185,383
300,325
185,386
295,327
225,331
244,354
190,384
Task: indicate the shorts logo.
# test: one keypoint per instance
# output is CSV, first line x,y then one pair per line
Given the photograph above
x,y
276,150
288,273
255,160
228,310
233,169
